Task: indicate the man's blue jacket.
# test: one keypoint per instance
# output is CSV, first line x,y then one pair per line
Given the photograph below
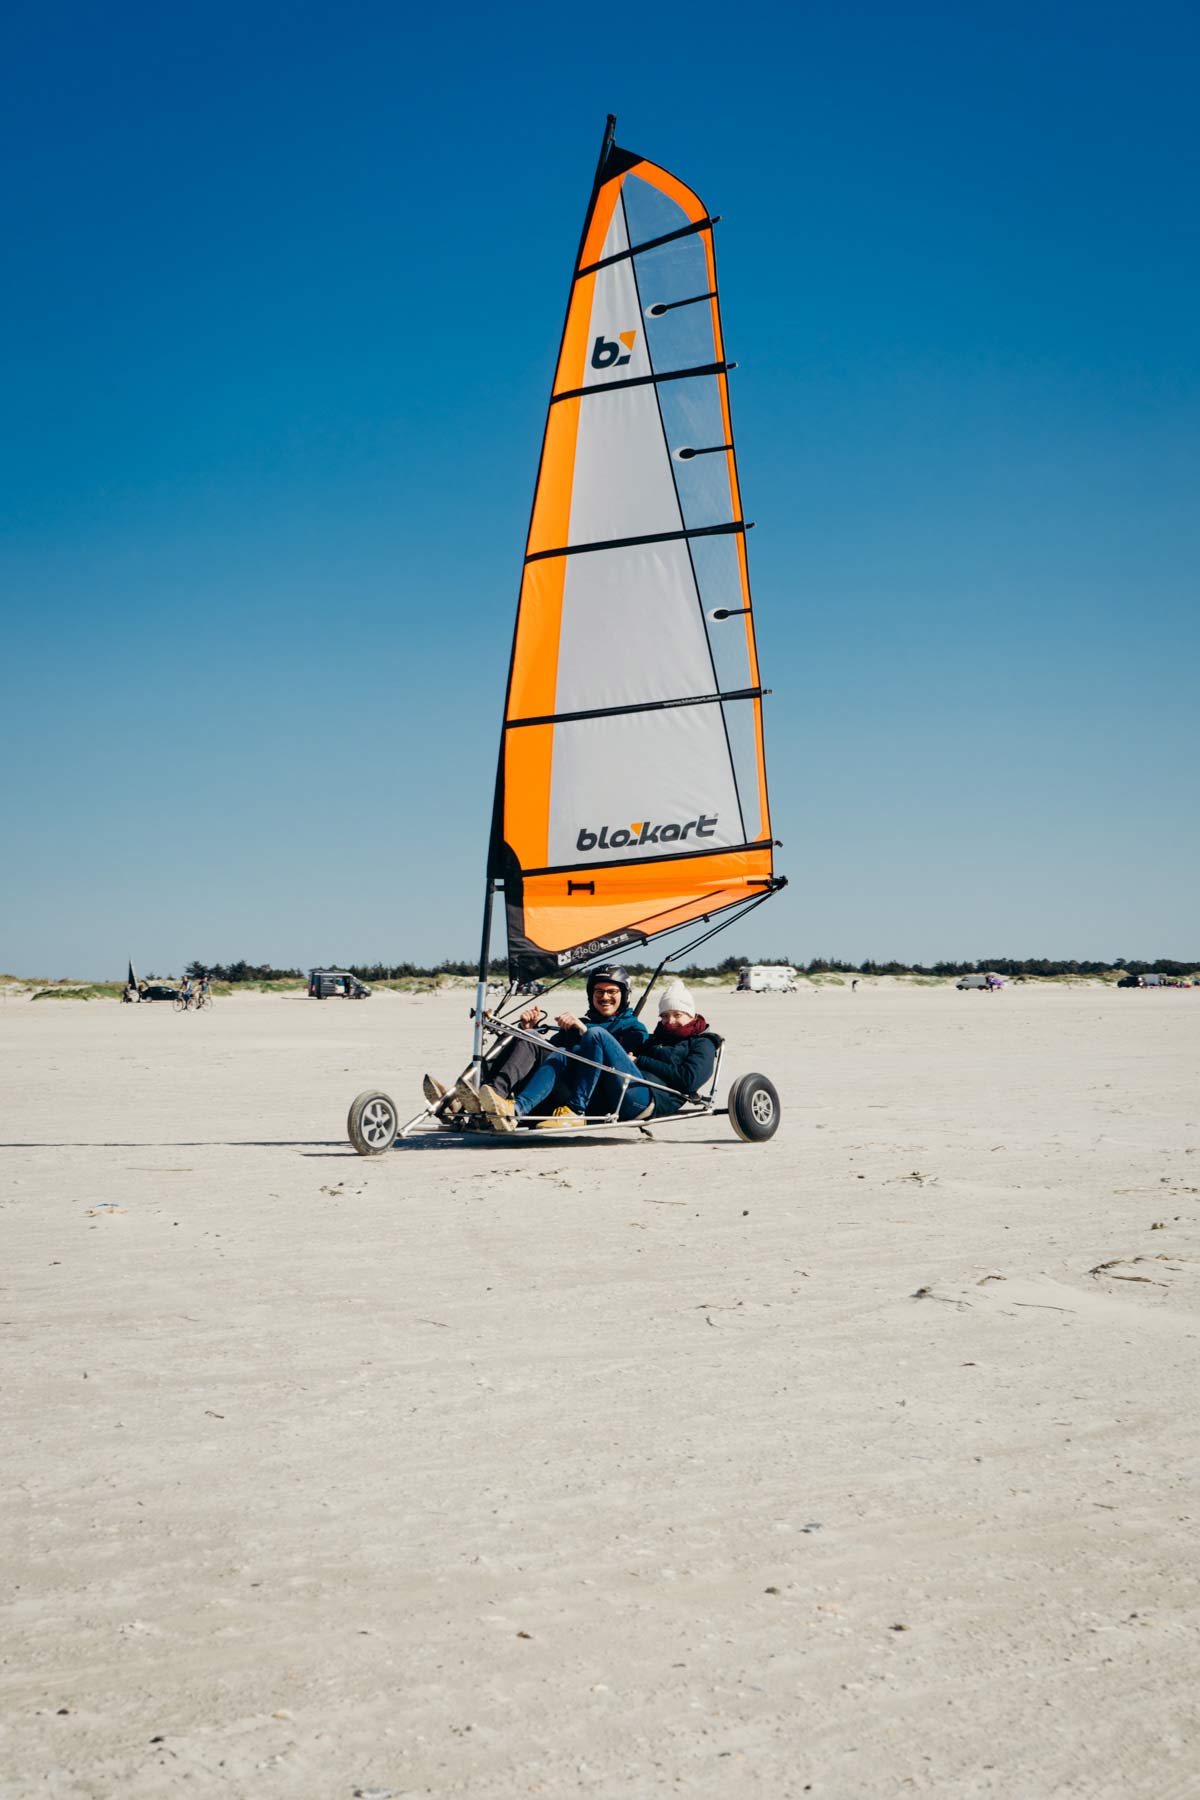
x,y
625,1026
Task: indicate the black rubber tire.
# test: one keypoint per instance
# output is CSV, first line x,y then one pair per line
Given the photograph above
x,y
181,1005
372,1123
754,1108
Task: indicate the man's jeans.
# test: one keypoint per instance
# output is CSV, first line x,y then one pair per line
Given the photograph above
x,y
595,1089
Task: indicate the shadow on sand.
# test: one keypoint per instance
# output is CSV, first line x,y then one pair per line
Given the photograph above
x,y
172,1143
524,1143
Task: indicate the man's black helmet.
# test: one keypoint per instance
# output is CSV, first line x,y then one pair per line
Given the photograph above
x,y
614,973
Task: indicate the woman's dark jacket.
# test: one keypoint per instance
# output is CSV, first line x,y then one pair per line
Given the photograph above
x,y
682,1063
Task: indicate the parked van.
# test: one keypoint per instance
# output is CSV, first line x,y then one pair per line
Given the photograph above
x,y
331,984
990,982
766,978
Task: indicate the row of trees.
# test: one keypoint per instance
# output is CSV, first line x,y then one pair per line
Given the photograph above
x,y
242,971
1013,967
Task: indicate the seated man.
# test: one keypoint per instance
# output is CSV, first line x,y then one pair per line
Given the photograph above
x,y
681,1055
520,1064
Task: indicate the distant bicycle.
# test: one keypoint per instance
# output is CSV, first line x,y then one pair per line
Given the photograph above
x,y
203,999
185,1002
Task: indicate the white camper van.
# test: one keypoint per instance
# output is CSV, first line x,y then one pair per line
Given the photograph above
x,y
766,978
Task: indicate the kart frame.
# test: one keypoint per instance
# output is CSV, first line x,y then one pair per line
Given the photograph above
x,y
695,1106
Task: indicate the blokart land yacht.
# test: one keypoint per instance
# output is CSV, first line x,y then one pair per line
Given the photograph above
x,y
631,790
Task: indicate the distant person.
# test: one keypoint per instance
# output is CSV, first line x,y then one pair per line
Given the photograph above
x,y
854,987
185,990
205,985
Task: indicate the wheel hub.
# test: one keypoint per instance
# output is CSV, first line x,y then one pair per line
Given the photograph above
x,y
762,1106
377,1123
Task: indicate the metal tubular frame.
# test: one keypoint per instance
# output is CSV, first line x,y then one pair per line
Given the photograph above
x,y
697,1106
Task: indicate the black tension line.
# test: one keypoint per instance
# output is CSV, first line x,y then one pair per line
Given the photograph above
x,y
629,862
639,706
650,537
668,237
631,381
665,306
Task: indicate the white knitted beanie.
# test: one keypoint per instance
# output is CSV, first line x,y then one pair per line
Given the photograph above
x,y
676,998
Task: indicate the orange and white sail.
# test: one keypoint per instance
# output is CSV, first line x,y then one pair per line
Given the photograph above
x,y
631,795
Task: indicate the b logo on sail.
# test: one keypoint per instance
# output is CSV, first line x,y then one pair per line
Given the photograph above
x,y
607,355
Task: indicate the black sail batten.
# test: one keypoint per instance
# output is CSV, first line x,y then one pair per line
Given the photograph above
x,y
649,537
633,381
668,237
637,706
630,862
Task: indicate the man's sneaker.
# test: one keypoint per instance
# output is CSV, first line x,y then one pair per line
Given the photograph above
x,y
443,1104
499,1109
562,1115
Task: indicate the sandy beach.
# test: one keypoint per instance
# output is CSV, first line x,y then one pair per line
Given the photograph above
x,y
858,1463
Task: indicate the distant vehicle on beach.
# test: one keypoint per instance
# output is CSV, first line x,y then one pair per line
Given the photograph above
x,y
336,984
1154,981
987,983
766,978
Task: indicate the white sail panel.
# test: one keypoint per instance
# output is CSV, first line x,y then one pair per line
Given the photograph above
x,y
624,486
632,632
662,770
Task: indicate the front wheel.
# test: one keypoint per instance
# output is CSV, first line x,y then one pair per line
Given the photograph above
x,y
181,1004
373,1123
754,1108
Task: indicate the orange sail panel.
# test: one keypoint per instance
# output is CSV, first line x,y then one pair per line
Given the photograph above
x,y
631,795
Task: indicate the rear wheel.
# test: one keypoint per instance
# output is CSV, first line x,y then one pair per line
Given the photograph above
x,y
373,1123
754,1108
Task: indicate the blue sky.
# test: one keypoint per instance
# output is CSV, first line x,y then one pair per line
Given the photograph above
x,y
283,295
